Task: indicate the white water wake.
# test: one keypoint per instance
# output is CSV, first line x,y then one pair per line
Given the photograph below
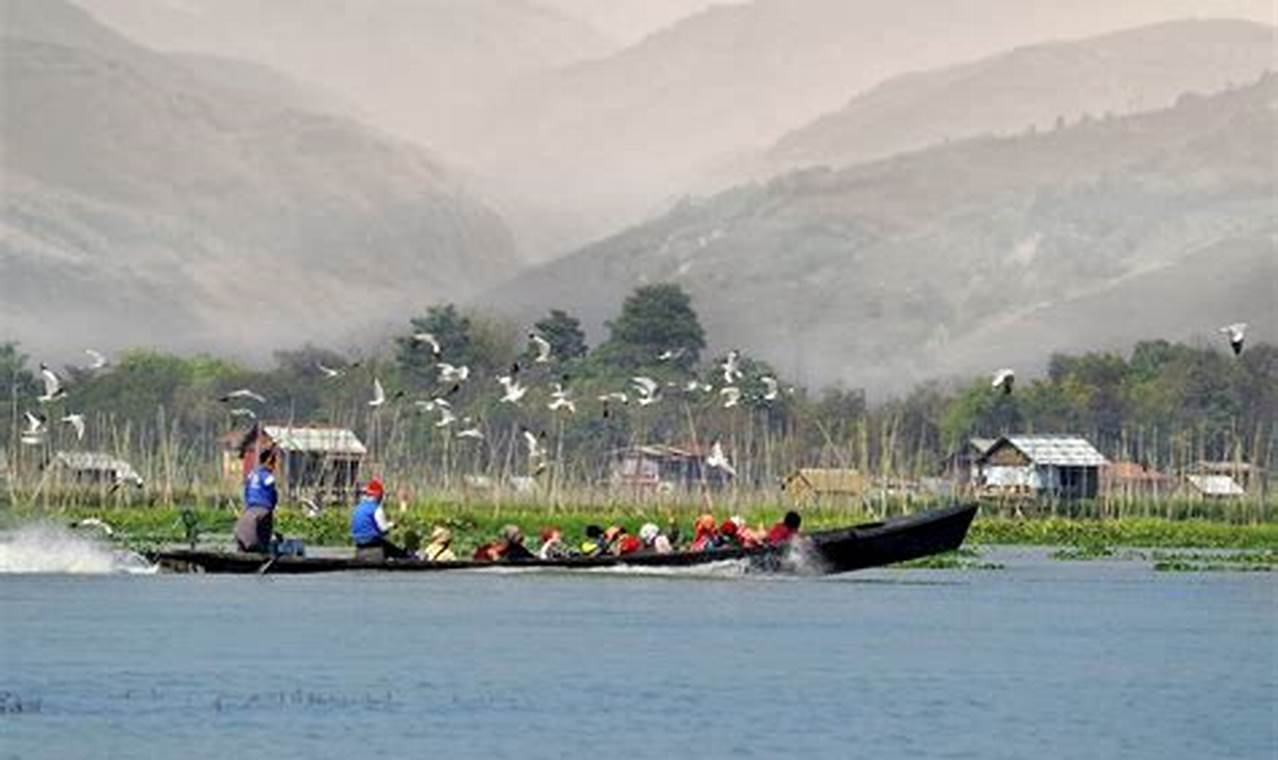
x,y
45,548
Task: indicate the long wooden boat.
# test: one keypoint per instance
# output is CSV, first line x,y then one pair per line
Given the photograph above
x,y
832,551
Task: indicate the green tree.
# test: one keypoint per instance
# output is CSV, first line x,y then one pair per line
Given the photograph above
x,y
655,319
563,331
451,330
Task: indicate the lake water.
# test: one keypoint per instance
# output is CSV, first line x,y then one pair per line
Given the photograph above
x,y
1041,659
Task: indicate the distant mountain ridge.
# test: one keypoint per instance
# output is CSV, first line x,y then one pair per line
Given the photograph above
x,y
979,253
150,201
1034,87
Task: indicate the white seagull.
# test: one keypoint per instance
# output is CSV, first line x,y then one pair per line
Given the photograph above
x,y
536,453
472,432
731,395
560,400
240,411
450,374
543,348
1236,332
425,337
99,361
730,367
446,417
514,391
76,421
329,372
34,434
53,389
1004,379
719,460
646,390
772,388
670,354
243,393
93,522
379,394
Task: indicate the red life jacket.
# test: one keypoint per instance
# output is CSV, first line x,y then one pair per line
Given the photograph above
x,y
628,544
780,533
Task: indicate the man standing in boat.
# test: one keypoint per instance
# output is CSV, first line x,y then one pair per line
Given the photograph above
x,y
370,526
255,526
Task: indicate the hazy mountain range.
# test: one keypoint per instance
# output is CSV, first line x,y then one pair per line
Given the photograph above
x,y
183,202
971,255
238,176
1031,87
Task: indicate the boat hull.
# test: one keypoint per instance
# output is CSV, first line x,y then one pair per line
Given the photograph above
x,y
833,551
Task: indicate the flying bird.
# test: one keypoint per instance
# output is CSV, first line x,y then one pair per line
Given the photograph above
x,y
99,361
472,432
719,460
243,393
76,421
670,354
514,391
240,411
1236,332
543,348
731,367
329,372
34,434
311,509
773,390
536,452
646,390
53,389
560,400
93,522
450,374
1004,379
446,417
428,338
731,395
379,394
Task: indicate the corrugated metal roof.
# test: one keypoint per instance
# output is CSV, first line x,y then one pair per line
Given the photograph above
x,y
324,440
1215,485
95,461
1056,450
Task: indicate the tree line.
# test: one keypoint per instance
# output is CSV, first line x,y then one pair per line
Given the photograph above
x,y
1164,404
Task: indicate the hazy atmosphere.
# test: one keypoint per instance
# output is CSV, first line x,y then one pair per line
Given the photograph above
x,y
864,193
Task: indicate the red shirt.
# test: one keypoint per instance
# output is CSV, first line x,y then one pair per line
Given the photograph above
x,y
628,544
780,533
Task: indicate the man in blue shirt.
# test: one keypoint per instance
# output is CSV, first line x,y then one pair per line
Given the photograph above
x,y
370,526
256,525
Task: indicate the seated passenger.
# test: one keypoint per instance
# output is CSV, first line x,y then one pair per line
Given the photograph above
x,y
489,552
654,540
512,545
595,544
552,545
370,526
620,542
747,538
785,530
440,547
705,534
728,538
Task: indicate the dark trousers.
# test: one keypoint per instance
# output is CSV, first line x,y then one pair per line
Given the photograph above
x,y
379,549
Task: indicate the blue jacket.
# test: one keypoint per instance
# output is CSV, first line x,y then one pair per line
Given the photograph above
x,y
363,524
259,489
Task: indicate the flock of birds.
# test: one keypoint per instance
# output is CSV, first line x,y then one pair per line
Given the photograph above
x,y
642,391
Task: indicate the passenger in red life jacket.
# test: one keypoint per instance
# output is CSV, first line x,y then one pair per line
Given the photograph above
x,y
705,534
785,530
620,542
746,537
728,538
370,526
256,524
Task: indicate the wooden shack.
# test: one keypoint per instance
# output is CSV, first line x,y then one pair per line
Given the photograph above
x,y
1056,466
815,485
665,468
1134,480
322,462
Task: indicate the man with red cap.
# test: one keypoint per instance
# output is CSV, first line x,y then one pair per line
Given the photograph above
x,y
370,526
